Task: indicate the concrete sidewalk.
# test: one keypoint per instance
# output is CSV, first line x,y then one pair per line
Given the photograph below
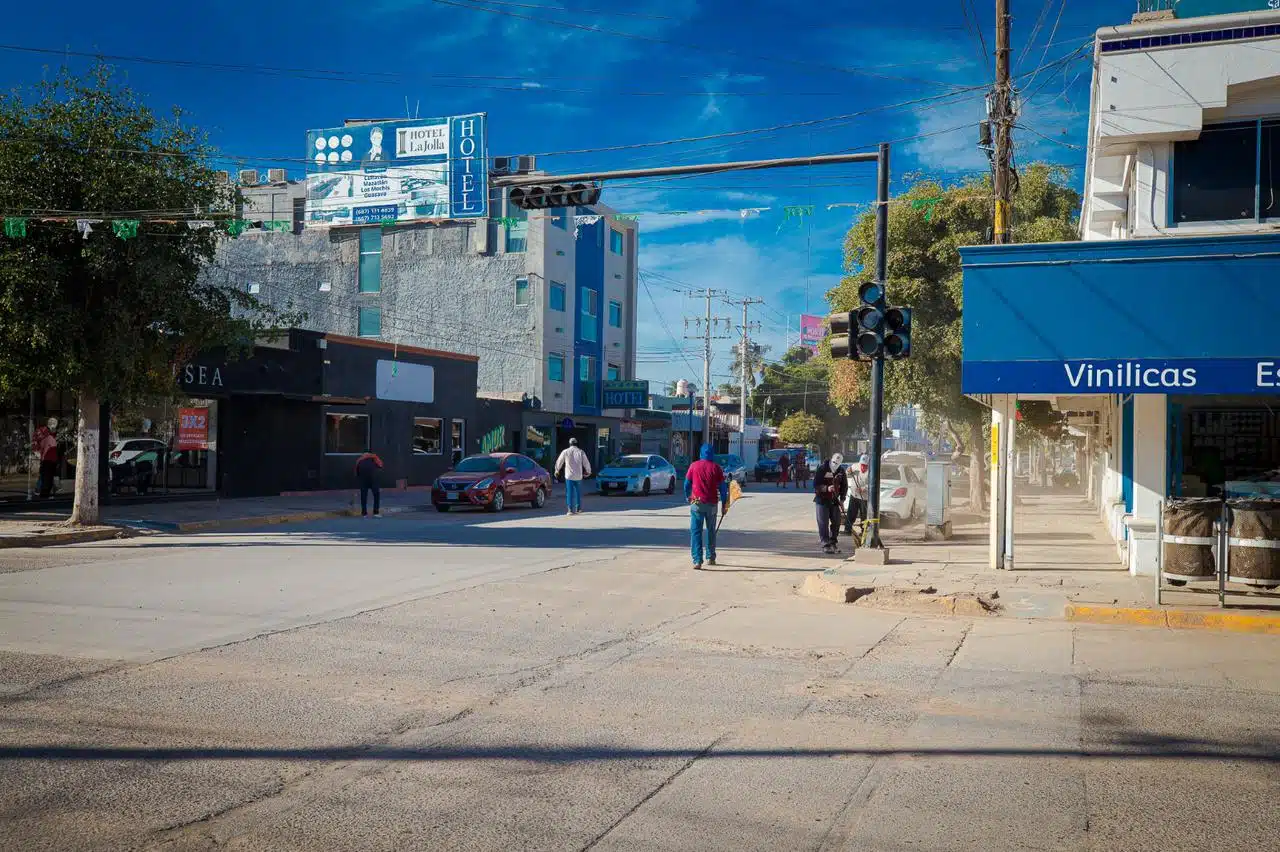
x,y
1066,568
39,527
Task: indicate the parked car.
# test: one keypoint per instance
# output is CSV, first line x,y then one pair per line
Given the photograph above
x,y
767,466
491,482
733,467
639,474
902,496
130,448
918,462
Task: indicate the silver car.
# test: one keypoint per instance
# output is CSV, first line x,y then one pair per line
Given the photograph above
x,y
638,474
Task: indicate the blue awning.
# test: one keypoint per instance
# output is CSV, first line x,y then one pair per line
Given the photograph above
x,y
1196,315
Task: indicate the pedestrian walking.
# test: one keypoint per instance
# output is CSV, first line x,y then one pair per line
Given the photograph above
x,y
45,445
829,488
784,469
367,469
705,488
856,475
575,466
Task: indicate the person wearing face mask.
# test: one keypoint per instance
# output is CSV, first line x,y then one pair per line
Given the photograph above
x,y
829,488
856,499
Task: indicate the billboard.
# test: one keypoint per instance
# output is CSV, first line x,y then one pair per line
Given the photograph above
x,y
398,171
812,330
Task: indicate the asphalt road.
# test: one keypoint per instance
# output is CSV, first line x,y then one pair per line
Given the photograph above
x,y
536,681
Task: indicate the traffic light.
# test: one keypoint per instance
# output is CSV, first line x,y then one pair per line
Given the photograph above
x,y
545,197
870,320
897,338
839,325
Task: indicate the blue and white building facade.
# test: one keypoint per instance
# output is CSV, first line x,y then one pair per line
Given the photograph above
x,y
1159,332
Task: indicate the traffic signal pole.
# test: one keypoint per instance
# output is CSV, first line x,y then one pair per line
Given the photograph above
x,y
877,365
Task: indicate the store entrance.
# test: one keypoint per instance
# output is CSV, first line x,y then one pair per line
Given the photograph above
x,y
1222,446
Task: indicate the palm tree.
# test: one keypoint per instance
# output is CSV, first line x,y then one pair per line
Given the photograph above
x,y
755,362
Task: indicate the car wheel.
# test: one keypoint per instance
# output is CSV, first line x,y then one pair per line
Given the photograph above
x,y
442,508
540,498
645,488
671,485
499,501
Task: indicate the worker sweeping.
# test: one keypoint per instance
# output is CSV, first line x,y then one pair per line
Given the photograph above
x,y
705,488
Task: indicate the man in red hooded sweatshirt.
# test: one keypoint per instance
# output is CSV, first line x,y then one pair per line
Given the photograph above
x,y
367,467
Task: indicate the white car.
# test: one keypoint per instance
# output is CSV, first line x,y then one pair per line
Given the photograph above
x,y
902,495
918,462
131,448
638,474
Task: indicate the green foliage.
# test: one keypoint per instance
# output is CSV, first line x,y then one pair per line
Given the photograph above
x,y
796,383
927,226
107,316
755,362
801,428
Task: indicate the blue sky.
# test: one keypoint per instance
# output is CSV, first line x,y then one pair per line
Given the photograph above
x,y
682,69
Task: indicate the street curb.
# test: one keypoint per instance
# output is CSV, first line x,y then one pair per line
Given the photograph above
x,y
274,520
1175,619
72,537
896,599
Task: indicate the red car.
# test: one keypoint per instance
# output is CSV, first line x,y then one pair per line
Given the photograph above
x,y
491,482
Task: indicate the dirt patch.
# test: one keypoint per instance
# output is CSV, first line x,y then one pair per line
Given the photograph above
x,y
921,600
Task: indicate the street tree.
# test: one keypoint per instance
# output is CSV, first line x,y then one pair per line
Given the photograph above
x,y
796,383
801,428
927,225
111,313
756,353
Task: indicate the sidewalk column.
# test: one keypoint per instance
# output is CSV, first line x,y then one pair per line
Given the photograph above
x,y
1149,480
1011,467
995,548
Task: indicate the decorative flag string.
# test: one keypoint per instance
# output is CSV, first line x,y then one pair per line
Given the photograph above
x,y
125,229
15,226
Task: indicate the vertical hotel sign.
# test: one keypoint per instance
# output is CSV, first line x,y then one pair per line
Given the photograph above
x,y
398,171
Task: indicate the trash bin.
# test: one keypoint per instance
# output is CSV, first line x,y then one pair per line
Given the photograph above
x,y
1253,556
1189,540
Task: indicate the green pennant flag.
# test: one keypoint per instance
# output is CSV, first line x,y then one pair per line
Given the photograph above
x,y
282,225
928,204
125,229
15,226
236,227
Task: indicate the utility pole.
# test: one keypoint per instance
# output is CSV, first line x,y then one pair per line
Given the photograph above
x,y
744,347
707,330
1002,113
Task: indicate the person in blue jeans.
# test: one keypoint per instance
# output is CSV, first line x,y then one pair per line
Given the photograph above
x,y
575,466
704,488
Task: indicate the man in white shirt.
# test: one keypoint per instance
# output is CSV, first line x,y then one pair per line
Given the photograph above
x,y
576,467
856,499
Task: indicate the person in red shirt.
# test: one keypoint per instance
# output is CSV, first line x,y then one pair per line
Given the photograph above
x,y
45,445
784,470
704,487
367,467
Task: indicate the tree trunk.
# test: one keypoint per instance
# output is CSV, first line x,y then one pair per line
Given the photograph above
x,y
86,510
977,452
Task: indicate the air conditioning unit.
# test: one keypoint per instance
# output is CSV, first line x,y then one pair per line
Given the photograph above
x,y
222,177
248,177
277,175
506,166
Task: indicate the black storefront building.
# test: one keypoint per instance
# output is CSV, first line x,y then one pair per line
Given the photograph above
x,y
292,415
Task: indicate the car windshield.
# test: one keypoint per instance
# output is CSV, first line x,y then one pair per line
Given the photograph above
x,y
630,461
726,460
478,464
776,454
890,473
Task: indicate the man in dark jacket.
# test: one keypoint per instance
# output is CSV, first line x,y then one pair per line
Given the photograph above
x,y
829,489
367,468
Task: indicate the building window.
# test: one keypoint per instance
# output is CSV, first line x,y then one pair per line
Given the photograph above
x,y
590,301
615,241
426,436
1220,176
346,434
587,372
458,432
615,314
555,299
299,214
522,292
560,217
614,373
370,260
555,368
517,230
370,322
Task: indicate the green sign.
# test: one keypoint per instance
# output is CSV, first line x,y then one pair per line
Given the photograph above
x,y
494,440
626,394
